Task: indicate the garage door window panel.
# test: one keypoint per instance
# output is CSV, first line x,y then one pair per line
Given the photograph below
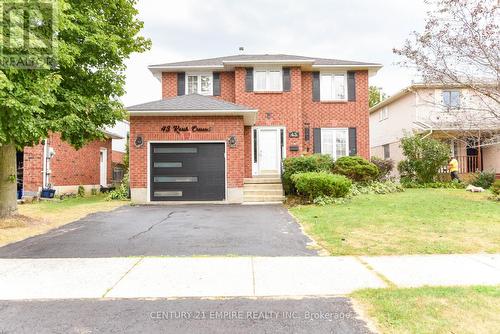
x,y
175,179
168,193
175,150
167,164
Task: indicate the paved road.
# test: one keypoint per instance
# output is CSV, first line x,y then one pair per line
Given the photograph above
x,y
320,315
188,230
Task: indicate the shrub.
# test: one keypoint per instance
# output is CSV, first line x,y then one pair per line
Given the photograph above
x,y
495,188
385,166
81,191
122,191
376,187
424,158
356,168
316,184
94,191
446,185
311,163
483,179
326,200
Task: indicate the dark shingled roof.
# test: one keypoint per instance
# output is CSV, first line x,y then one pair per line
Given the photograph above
x,y
188,102
264,57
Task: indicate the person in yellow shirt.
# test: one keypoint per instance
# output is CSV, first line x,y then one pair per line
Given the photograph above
x,y
453,168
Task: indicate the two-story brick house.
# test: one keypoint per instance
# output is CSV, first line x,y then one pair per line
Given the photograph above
x,y
453,114
225,120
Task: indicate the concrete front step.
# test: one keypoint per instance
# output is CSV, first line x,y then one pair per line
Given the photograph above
x,y
262,180
263,198
262,192
263,186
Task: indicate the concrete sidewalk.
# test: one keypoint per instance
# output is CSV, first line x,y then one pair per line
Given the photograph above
x,y
236,276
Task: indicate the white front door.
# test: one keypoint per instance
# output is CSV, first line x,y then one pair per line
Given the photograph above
x,y
269,151
103,167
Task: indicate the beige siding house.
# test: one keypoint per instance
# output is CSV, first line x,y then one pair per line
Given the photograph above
x,y
451,114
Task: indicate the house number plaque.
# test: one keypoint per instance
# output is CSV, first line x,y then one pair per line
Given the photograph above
x,y
178,129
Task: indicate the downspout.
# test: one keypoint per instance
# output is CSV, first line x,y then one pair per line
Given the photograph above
x,y
44,168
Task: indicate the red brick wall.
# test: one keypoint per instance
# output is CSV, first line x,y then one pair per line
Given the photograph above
x,y
168,84
222,128
32,168
292,109
70,167
117,157
339,114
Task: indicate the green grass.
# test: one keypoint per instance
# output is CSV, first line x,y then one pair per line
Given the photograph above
x,y
40,217
417,221
433,310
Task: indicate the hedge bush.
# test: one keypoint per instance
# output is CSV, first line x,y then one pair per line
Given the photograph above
x,y
310,163
356,168
384,166
495,188
483,179
316,184
424,158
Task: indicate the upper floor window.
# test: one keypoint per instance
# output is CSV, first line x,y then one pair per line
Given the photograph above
x,y
199,83
333,87
268,80
384,114
451,98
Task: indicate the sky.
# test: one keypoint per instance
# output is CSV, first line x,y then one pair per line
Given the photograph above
x,y
362,30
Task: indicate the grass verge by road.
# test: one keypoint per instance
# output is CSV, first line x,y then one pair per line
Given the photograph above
x,y
417,221
433,309
38,218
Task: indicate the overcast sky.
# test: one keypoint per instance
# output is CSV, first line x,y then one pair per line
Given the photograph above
x,y
363,30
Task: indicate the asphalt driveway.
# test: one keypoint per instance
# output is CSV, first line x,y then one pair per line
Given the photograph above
x,y
193,315
177,230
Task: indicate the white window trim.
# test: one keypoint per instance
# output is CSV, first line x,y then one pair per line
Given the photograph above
x,y
344,73
267,70
334,153
384,114
199,75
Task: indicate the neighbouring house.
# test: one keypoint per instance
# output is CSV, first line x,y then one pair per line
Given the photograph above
x,y
119,148
224,125
56,164
450,113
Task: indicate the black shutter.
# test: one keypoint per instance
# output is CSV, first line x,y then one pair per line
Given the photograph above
x,y
351,86
316,87
216,83
181,83
353,150
286,79
317,140
249,79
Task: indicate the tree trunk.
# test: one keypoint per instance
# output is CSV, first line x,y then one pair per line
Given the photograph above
x,y
8,175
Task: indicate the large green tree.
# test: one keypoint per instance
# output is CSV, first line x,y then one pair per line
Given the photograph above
x,y
78,95
375,96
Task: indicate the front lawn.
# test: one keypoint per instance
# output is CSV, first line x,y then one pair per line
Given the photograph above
x,y
38,218
417,221
433,310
